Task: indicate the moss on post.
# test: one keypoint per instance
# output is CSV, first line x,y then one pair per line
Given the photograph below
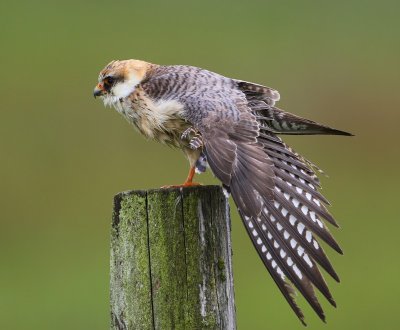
x,y
131,306
171,260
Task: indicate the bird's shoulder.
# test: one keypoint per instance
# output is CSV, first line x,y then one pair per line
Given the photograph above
x,y
187,77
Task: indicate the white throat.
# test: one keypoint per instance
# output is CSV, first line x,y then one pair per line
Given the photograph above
x,y
121,90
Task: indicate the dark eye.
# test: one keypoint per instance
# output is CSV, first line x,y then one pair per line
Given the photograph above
x,y
109,81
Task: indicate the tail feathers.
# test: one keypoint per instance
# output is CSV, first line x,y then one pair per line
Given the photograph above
x,y
277,196
274,270
282,263
286,123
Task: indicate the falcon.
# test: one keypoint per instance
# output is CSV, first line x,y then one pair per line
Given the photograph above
x,y
233,127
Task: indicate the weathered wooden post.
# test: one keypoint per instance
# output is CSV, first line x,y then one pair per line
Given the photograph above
x,y
171,260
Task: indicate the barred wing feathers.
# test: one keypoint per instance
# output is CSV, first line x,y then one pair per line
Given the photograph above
x,y
276,193
281,122
275,189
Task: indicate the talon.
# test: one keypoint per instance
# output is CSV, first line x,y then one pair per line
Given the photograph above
x,y
186,133
196,143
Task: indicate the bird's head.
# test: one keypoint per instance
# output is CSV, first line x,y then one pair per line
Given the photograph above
x,y
119,79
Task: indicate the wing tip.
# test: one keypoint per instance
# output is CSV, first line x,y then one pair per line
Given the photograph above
x,y
339,132
335,276
332,302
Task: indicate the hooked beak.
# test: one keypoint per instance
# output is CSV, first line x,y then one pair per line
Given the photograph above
x,y
98,90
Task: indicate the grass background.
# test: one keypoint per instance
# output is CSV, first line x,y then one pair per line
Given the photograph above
x,y
63,156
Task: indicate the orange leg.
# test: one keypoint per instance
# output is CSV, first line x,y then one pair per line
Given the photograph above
x,y
189,180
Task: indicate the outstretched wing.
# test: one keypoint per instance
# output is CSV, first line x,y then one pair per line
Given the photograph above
x,y
262,99
275,191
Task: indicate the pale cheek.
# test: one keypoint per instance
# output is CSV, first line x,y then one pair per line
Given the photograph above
x,y
123,90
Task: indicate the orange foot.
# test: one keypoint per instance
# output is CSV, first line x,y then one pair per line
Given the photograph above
x,y
187,183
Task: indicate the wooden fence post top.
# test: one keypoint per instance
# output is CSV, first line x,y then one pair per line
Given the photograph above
x,y
143,192
171,260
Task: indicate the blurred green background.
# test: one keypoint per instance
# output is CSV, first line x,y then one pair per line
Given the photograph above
x,y
64,156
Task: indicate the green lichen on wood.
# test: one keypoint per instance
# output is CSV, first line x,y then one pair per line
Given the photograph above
x,y
221,265
167,255
223,259
171,260
202,296
130,276
221,269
